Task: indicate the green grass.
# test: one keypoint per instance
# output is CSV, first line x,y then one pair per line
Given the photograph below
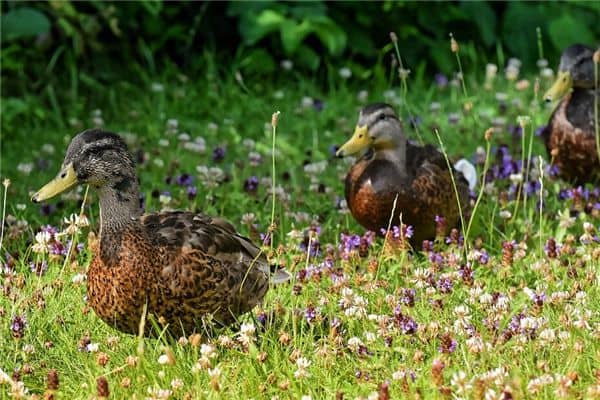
x,y
226,114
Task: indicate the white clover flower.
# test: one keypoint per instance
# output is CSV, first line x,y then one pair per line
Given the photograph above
x,y
345,72
25,168
355,343
460,381
214,373
92,347
287,65
163,142
208,350
42,240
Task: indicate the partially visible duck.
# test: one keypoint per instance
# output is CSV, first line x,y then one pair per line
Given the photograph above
x,y
184,267
391,166
570,134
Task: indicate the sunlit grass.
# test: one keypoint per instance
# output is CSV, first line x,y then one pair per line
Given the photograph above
x,y
520,317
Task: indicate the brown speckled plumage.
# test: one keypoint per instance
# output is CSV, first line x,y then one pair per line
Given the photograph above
x,y
569,136
184,266
418,175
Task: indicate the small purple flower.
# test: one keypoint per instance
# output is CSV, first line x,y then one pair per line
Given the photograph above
x,y
57,248
191,192
50,229
262,318
444,285
448,344
265,238
218,154
441,80
310,314
251,184
407,325
18,325
38,268
318,105
47,208
184,180
539,130
484,257
407,297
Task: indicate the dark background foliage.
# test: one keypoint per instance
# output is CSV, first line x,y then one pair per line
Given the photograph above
x,y
97,42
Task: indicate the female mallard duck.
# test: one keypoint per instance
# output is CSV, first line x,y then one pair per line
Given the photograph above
x,y
183,266
569,135
394,167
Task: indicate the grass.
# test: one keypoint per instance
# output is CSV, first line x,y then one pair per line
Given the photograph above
x,y
522,318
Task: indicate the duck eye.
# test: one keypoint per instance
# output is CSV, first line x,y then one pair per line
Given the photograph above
x,y
382,117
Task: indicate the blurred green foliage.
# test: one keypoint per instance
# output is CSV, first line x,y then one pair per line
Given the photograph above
x,y
91,43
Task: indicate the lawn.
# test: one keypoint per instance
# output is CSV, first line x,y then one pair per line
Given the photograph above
x,y
507,307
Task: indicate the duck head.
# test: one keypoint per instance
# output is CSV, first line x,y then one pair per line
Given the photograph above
x,y
378,128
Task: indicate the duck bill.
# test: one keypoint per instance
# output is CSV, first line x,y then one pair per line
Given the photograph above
x,y
65,179
360,140
563,84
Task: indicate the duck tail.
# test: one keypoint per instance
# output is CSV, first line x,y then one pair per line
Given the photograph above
x,y
277,274
468,171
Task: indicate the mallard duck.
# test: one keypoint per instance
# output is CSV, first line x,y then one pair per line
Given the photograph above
x,y
184,266
392,166
569,135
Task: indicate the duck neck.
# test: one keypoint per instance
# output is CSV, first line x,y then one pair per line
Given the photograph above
x,y
394,152
119,203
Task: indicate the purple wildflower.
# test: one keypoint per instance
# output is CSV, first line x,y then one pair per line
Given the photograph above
x,y
444,285
407,325
39,268
191,192
408,297
441,80
218,154
18,325
310,314
251,184
184,180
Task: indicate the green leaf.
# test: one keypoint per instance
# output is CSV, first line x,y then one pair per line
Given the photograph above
x,y
483,16
255,27
331,35
307,57
566,30
257,61
24,22
293,33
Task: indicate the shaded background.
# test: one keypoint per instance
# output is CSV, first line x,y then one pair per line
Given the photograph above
x,y
107,39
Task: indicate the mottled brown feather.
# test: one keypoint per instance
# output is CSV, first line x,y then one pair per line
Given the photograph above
x,y
184,265
424,189
570,136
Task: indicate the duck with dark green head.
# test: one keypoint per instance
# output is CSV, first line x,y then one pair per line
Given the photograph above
x,y
182,267
391,167
570,134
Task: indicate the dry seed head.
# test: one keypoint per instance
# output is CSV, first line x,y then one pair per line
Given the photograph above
x,y
275,119
102,387
6,183
453,44
393,37
52,383
488,134
596,57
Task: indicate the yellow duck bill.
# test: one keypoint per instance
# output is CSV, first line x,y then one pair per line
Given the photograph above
x,y
65,179
561,86
360,140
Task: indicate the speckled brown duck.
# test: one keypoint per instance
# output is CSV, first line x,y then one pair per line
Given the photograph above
x,y
392,166
185,266
569,135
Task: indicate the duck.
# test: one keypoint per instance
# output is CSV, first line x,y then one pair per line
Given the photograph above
x,y
569,135
182,268
390,168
